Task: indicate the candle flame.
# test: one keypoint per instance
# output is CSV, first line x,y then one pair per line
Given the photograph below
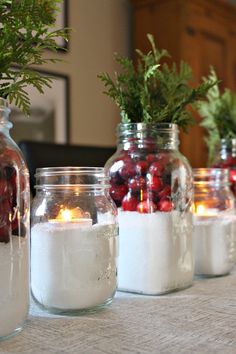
x,y
200,209
71,215
203,210
65,214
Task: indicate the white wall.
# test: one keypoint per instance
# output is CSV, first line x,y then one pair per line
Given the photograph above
x,y
99,28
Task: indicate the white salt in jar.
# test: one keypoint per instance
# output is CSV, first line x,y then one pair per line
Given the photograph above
x,y
214,222
74,238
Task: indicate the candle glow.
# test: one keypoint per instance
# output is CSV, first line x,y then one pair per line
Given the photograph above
x,y
203,210
72,215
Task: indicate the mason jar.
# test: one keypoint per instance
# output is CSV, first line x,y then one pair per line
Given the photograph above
x,y
74,238
214,222
14,231
151,184
226,158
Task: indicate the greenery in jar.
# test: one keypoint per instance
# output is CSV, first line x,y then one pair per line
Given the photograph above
x,y
218,114
26,31
145,178
153,91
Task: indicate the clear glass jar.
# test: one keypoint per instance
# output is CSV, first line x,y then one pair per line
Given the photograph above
x,y
74,237
14,231
214,222
227,159
151,184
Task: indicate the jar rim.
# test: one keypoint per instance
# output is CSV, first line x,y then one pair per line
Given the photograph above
x,y
70,177
211,175
52,171
144,125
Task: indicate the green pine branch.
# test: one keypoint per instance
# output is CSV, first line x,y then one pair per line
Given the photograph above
x,y
218,116
154,92
26,31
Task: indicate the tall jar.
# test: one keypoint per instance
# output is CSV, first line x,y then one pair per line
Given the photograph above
x,y
74,238
151,184
214,222
227,159
14,231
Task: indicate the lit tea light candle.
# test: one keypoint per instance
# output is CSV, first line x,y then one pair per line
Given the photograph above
x,y
213,240
72,216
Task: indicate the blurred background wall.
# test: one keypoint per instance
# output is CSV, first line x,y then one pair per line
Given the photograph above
x,y
99,28
201,32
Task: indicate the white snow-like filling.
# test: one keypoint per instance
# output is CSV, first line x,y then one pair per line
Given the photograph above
x,y
73,266
214,244
14,288
155,253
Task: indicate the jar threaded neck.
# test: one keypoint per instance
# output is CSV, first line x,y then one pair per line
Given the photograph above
x,y
163,135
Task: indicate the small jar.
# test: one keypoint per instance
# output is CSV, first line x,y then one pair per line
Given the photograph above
x,y
151,184
14,231
74,237
214,222
227,159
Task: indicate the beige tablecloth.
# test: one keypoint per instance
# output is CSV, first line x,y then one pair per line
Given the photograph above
x,y
201,319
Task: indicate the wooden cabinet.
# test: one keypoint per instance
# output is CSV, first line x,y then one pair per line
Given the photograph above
x,y
201,32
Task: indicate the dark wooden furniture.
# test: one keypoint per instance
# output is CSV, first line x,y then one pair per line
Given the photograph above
x,y
201,32
39,154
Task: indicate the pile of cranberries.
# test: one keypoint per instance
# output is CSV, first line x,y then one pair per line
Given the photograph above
x,y
141,182
8,217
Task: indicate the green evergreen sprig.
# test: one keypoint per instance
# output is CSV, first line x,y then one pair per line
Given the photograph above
x,y
218,115
154,92
26,31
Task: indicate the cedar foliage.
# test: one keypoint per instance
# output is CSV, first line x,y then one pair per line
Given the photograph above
x,y
154,92
218,115
26,31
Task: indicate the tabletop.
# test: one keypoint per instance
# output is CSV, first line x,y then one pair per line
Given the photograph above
x,y
200,319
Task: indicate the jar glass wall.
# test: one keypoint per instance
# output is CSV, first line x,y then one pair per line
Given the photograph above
x,y
14,231
74,237
227,159
214,222
151,184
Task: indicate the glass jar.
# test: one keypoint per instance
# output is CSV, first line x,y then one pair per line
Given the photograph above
x,y
227,159
151,184
14,231
214,222
74,237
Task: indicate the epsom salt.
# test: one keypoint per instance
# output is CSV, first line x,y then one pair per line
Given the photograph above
x,y
14,291
214,245
73,266
155,254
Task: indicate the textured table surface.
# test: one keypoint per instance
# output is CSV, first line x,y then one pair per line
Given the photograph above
x,y
200,319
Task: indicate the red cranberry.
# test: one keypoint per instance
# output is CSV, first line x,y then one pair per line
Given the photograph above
x,y
165,205
230,161
151,158
118,192
129,203
154,183
116,179
128,170
147,206
165,192
232,176
141,167
137,183
156,168
4,234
